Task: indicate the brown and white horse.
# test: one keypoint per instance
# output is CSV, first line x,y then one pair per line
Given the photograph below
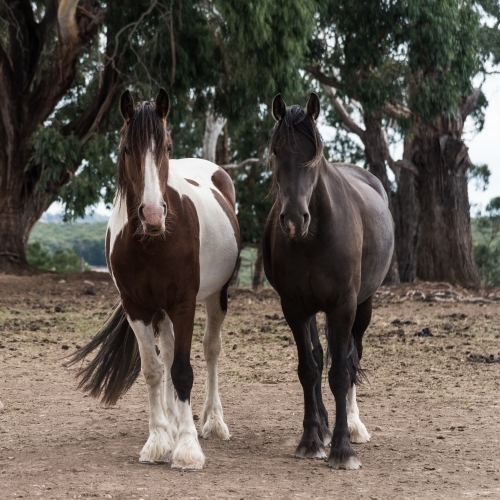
x,y
172,240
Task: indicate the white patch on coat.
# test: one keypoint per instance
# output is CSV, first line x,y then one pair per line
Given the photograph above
x,y
357,429
218,245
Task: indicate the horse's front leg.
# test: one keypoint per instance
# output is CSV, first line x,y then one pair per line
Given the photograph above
x,y
212,417
187,454
311,444
158,447
342,455
318,357
166,342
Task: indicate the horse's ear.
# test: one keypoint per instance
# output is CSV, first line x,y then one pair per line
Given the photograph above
x,y
313,106
162,104
279,107
127,106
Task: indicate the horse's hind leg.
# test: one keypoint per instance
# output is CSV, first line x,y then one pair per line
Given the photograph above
x,y
212,421
357,430
158,447
311,444
318,357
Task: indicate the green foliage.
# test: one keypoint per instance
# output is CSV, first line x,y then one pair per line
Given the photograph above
x,y
487,243
480,174
86,240
61,261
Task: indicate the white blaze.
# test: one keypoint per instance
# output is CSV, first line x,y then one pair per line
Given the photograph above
x,y
152,192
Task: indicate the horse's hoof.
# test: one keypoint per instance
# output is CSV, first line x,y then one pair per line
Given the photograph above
x,y
182,468
348,463
153,462
215,427
315,451
157,448
357,431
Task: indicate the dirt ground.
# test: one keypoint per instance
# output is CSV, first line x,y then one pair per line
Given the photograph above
x,y
431,403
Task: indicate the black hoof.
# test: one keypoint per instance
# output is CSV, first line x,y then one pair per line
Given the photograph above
x,y
345,458
311,448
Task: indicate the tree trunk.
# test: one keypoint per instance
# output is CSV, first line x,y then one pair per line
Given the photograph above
x,y
445,251
376,155
406,226
258,274
213,129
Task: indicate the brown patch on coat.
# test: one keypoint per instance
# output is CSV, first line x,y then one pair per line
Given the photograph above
x,y
194,183
224,184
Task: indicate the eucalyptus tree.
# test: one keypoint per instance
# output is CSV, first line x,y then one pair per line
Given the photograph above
x,y
415,65
62,65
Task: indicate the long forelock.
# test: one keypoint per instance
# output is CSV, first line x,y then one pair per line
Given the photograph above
x,y
296,121
144,132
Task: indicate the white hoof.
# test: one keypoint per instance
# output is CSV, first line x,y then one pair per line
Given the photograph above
x,y
215,427
188,454
157,448
357,430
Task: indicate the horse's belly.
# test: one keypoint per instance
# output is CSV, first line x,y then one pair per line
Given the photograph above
x,y
218,250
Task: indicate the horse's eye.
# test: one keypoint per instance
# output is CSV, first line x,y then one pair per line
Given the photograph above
x,y
275,153
169,148
126,151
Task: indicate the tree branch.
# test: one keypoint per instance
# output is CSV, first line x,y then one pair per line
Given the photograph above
x,y
407,164
331,81
470,103
348,122
396,111
239,166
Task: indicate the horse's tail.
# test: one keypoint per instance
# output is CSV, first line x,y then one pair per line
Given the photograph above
x,y
117,363
356,373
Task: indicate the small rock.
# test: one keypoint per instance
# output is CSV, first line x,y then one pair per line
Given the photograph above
x,y
62,281
87,282
440,437
89,291
65,347
57,309
378,428
235,346
425,332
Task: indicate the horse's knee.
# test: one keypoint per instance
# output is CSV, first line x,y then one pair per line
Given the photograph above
x,y
182,378
308,374
152,373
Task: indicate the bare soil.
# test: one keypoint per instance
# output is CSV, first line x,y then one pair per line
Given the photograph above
x,y
431,403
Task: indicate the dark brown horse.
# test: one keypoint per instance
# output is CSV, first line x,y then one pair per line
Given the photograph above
x,y
172,240
327,247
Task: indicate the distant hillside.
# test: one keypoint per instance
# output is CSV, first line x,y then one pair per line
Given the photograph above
x,y
86,239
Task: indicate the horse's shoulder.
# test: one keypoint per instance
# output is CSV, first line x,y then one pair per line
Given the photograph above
x,y
361,175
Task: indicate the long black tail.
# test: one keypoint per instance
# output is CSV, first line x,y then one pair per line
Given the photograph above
x,y
356,373
117,363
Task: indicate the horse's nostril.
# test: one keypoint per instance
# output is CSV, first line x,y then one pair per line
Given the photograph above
x,y
164,205
282,220
141,213
306,218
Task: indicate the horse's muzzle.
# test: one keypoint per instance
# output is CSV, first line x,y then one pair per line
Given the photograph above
x,y
152,218
295,226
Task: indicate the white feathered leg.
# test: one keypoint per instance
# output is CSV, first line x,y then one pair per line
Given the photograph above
x,y
212,418
167,342
357,429
158,447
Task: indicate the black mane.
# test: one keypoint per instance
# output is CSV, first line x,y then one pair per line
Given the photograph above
x,y
144,127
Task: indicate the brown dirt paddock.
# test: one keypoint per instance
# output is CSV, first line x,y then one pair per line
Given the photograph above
x,y
433,414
